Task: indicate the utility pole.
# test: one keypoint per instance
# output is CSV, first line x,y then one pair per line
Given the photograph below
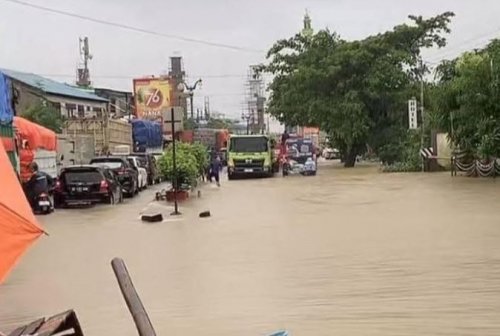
x,y
422,110
175,180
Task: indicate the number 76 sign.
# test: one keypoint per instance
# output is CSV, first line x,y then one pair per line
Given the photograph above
x,y
151,95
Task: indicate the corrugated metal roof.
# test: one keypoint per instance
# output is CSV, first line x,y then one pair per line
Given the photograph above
x,y
50,86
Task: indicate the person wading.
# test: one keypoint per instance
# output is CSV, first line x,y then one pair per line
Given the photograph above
x,y
215,168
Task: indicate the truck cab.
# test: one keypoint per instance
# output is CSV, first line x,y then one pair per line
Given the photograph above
x,y
250,155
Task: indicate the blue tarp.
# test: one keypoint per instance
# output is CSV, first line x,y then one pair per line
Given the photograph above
x,y
147,133
6,113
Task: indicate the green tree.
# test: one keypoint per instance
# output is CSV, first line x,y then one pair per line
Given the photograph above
x,y
465,101
44,115
356,91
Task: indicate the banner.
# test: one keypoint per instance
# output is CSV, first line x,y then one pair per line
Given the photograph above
x,y
151,95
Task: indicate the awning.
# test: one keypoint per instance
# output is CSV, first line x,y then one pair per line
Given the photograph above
x,y
18,226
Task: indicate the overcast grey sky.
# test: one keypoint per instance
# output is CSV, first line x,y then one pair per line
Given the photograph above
x,y
35,41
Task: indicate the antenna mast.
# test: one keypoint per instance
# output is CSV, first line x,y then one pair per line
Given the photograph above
x,y
83,73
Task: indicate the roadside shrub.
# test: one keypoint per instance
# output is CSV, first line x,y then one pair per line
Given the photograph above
x,y
200,152
409,155
187,166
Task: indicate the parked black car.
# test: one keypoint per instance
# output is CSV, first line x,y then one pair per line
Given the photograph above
x,y
127,175
152,168
87,184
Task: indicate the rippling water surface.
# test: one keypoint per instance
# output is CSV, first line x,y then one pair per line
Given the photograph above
x,y
348,252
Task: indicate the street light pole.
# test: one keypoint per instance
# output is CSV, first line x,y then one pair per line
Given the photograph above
x,y
191,103
246,116
190,89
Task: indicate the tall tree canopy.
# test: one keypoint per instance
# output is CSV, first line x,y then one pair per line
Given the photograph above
x,y
466,101
356,91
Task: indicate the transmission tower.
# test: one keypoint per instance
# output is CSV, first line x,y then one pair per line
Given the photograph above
x,y
83,73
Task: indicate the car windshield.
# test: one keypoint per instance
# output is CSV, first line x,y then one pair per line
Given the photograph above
x,y
85,176
248,145
299,148
113,164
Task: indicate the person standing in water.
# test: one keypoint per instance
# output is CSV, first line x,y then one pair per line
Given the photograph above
x,y
215,168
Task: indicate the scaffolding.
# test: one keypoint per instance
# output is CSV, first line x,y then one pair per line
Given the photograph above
x,y
255,100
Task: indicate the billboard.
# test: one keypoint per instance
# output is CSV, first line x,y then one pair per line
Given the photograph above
x,y
151,95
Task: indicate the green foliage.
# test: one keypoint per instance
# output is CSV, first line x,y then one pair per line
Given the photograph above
x,y
200,153
465,101
186,162
44,115
356,91
408,159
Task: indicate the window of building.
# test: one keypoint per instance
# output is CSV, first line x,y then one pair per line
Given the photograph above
x,y
56,106
112,105
97,112
81,111
70,110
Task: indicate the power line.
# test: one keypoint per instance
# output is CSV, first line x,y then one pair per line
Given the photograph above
x,y
132,28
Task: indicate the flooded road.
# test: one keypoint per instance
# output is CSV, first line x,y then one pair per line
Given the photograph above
x,y
348,252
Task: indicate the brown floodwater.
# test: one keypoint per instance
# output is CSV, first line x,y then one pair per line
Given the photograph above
x,y
348,252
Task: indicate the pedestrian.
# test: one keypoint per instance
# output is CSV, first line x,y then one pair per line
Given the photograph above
x,y
215,168
284,137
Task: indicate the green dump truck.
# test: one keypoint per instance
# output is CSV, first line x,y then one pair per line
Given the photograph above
x,y
250,155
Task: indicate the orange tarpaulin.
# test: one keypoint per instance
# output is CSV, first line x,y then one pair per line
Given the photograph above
x,y
38,136
18,226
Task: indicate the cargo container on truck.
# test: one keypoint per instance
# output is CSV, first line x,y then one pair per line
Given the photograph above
x,y
107,133
147,136
214,139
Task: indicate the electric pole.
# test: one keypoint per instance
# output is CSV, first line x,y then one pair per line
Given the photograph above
x,y
422,110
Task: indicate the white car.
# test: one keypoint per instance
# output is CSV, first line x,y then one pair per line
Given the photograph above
x,y
138,163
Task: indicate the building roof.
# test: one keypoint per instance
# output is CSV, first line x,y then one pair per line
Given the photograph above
x,y
50,86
